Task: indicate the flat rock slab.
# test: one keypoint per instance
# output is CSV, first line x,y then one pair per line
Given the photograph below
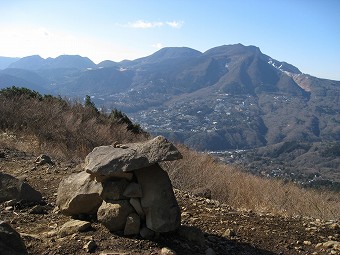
x,y
74,226
106,161
158,202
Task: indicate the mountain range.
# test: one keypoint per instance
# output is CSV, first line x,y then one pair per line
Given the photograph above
x,y
229,97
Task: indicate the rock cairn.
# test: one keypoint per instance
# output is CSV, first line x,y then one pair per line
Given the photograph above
x,y
125,187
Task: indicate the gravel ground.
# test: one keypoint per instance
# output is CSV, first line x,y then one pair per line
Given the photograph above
x,y
208,226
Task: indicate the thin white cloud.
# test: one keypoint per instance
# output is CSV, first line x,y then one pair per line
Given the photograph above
x,y
157,45
142,24
175,24
145,24
21,41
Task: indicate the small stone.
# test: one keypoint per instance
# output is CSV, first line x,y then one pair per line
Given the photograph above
x,y
135,202
318,245
113,215
43,159
334,226
331,244
38,209
73,226
9,208
229,233
90,246
307,242
210,251
56,210
185,215
113,190
11,202
167,251
50,233
132,224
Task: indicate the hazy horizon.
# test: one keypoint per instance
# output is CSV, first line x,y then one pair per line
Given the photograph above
x,y
302,33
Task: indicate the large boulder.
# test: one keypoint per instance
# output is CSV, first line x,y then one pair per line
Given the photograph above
x,y
79,194
106,161
13,188
158,201
10,241
113,214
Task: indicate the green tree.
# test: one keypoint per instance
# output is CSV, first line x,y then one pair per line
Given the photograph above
x,y
119,117
89,104
12,92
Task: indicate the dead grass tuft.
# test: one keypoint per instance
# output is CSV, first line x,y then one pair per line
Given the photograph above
x,y
70,130
242,190
63,128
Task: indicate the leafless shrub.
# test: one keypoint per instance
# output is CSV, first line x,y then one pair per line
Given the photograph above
x,y
242,190
65,128
68,129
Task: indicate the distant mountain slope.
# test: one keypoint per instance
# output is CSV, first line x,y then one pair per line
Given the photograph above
x,y
69,61
108,63
6,61
30,76
64,61
7,80
167,54
34,62
229,97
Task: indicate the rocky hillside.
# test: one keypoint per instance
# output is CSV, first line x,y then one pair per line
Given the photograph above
x,y
208,226
229,97
218,209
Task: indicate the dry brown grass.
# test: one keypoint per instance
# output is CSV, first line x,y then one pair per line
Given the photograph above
x,y
70,130
63,128
242,190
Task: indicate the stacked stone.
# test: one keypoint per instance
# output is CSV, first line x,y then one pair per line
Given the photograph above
x,y
124,186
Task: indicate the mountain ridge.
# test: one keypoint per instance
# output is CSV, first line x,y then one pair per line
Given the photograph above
x,y
228,97
35,62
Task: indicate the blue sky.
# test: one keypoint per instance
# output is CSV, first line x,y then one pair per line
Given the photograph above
x,y
305,33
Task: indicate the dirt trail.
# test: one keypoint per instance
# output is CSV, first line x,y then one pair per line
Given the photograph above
x,y
224,229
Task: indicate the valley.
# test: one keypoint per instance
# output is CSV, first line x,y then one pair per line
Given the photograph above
x,y
231,97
